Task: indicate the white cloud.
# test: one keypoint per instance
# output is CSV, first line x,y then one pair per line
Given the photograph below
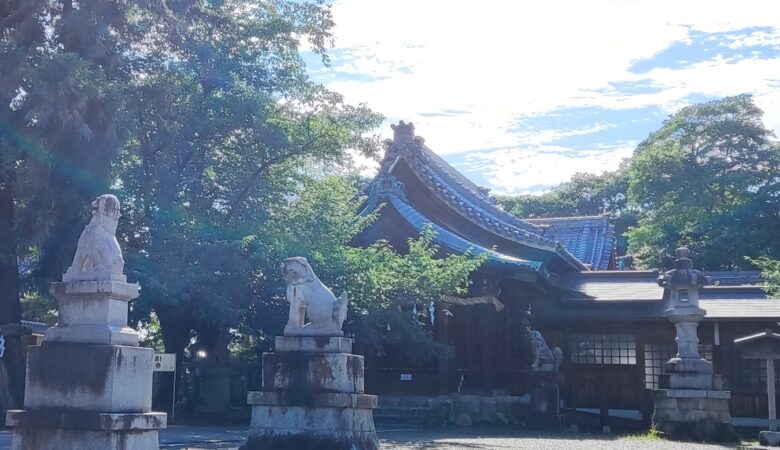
x,y
466,72
522,171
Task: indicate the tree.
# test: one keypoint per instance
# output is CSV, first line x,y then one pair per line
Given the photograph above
x,y
224,122
383,285
770,270
709,179
60,65
584,195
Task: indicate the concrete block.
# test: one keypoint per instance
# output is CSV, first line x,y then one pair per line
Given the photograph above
x,y
105,334
769,438
313,372
93,312
292,420
463,420
66,439
75,420
664,402
90,378
684,393
465,404
317,344
688,403
698,381
487,410
719,394
325,400
688,365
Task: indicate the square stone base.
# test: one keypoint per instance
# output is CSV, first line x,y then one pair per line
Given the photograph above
x,y
315,428
51,430
37,439
769,438
694,415
321,344
313,372
88,377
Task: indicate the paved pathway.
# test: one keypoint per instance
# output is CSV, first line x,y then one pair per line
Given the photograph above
x,y
229,438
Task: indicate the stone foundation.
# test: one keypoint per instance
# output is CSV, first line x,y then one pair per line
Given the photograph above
x,y
89,377
83,390
313,398
43,430
694,415
769,438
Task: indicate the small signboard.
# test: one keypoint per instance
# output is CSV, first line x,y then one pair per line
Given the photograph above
x,y
406,377
165,362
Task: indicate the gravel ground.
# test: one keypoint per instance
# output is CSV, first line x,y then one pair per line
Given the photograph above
x,y
228,438
498,439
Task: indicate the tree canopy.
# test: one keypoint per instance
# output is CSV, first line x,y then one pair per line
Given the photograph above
x,y
708,179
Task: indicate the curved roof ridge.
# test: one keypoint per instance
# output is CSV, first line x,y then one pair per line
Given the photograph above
x,y
453,241
465,186
567,218
463,196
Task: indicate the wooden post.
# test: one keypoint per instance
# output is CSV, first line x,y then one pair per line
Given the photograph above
x,y
770,392
441,325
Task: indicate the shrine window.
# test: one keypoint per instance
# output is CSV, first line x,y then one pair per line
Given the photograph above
x,y
657,354
617,349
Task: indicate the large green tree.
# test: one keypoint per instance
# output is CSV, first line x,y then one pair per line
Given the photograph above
x,y
708,179
225,122
61,65
385,287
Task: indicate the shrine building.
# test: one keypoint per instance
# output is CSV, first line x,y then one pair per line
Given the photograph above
x,y
559,276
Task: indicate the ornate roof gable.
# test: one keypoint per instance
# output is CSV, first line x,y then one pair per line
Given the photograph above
x,y
475,204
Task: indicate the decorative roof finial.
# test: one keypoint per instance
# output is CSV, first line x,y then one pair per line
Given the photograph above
x,y
403,133
682,260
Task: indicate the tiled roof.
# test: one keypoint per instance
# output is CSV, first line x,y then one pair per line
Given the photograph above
x,y
589,238
612,286
636,295
36,327
454,242
460,194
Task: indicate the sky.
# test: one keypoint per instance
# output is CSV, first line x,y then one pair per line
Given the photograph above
x,y
519,95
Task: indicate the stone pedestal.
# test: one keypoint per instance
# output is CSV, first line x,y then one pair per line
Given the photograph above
x,y
694,415
313,398
769,438
89,385
692,405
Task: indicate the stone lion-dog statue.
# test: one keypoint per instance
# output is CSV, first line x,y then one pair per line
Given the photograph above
x,y
311,300
98,255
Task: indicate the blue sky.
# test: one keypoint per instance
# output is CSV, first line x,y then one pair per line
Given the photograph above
x,y
521,95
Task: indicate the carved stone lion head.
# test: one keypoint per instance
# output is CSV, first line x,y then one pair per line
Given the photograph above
x,y
296,270
106,212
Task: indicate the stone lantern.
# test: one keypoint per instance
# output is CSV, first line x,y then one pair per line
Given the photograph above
x,y
691,405
687,370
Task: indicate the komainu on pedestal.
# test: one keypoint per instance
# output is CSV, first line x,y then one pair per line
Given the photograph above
x,y
313,393
89,385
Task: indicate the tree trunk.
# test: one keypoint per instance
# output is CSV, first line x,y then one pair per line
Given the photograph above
x,y
175,324
12,366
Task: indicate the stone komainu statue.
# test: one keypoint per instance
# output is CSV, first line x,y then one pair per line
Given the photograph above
x,y
98,256
311,300
544,358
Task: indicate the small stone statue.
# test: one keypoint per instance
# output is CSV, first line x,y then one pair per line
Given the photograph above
x,y
98,256
312,300
544,358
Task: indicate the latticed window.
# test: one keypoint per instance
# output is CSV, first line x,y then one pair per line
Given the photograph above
x,y
657,354
603,349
